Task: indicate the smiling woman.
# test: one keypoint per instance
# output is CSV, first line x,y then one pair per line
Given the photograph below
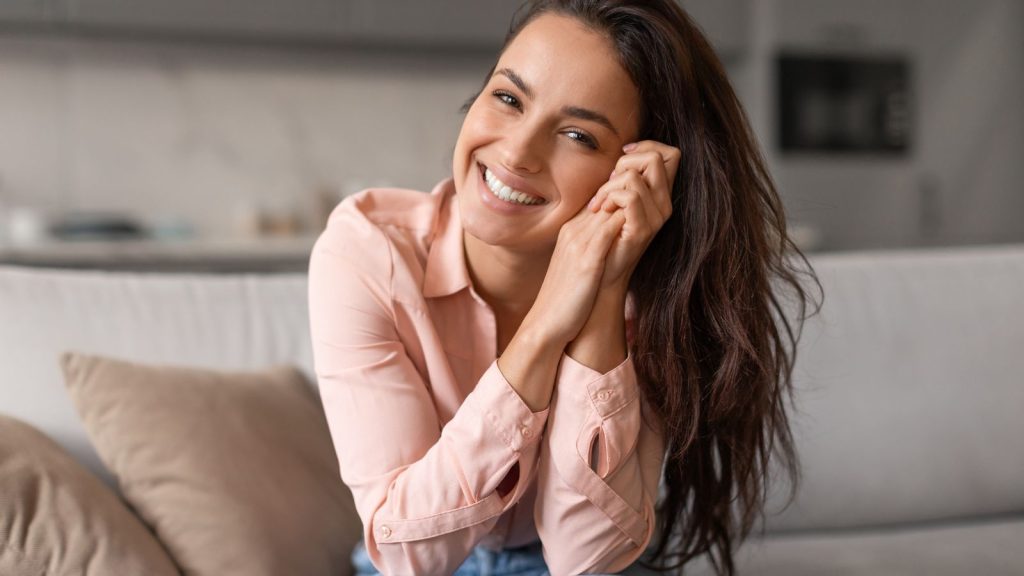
x,y
588,308
550,122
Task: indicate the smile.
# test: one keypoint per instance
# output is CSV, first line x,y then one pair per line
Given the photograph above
x,y
507,193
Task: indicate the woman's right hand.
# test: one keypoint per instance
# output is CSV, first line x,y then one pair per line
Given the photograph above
x,y
574,274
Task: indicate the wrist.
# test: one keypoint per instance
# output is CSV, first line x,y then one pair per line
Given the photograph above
x,y
610,305
529,364
601,344
539,336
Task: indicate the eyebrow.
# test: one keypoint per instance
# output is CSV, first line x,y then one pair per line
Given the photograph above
x,y
573,111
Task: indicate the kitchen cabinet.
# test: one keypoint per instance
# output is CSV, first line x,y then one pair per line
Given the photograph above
x,y
725,22
445,24
254,19
450,23
390,23
26,12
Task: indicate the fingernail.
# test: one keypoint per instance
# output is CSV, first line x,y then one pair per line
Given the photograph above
x,y
629,147
590,205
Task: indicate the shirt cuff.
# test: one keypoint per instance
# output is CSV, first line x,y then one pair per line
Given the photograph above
x,y
607,393
506,411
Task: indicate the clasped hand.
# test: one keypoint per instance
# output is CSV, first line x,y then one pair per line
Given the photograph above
x,y
641,187
598,249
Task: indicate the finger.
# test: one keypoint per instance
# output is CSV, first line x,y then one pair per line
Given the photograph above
x,y
605,235
625,179
637,223
576,229
671,157
642,195
651,165
670,154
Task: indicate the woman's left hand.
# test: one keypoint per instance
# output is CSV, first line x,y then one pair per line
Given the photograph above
x,y
641,186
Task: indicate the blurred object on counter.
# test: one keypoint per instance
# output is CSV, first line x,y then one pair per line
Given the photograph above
x,y
280,224
259,219
26,226
327,197
97,226
172,228
806,237
245,220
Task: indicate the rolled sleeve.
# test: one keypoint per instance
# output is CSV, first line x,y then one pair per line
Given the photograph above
x,y
599,469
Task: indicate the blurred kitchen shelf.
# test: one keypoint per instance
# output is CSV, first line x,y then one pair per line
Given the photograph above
x,y
223,255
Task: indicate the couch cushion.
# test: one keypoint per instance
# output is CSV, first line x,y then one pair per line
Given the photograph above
x,y
57,518
234,471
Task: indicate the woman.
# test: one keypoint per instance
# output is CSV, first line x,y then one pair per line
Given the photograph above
x,y
590,306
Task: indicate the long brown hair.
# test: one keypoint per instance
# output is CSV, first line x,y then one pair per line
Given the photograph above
x,y
713,342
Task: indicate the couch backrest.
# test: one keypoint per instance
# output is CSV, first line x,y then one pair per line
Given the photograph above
x,y
910,381
911,389
213,321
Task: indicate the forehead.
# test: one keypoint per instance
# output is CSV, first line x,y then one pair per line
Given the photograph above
x,y
567,63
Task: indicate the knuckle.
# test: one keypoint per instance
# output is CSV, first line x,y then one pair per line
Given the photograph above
x,y
637,179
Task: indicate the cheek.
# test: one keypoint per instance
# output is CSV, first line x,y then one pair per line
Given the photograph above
x,y
478,126
580,180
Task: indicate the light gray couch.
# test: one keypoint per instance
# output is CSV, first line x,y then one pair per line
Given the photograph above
x,y
910,421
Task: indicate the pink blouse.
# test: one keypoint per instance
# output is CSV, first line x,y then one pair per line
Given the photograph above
x,y
426,427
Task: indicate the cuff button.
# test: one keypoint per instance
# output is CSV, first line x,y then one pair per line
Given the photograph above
x,y
526,432
385,531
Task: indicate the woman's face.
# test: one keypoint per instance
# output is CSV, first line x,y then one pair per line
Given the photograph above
x,y
549,126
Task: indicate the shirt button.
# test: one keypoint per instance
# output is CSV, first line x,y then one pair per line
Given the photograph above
x,y
385,531
526,431
604,395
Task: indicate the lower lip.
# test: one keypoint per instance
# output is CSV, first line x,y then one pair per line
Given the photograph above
x,y
497,204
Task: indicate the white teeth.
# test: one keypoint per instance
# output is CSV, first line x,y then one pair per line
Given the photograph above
x,y
501,190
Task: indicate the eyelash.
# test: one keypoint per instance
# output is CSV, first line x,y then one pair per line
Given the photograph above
x,y
583,139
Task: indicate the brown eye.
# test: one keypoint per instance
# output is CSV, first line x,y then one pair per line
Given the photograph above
x,y
507,99
583,139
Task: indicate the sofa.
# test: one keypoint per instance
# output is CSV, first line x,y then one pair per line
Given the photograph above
x,y
909,415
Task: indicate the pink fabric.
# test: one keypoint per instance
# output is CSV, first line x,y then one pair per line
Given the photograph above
x,y
425,425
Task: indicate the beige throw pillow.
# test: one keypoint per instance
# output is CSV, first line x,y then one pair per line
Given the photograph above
x,y
56,518
234,471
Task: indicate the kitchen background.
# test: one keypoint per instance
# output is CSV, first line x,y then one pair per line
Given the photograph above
x,y
217,134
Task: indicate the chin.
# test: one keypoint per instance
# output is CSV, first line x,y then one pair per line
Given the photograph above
x,y
478,223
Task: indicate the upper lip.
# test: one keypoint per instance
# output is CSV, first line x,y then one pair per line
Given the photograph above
x,y
512,181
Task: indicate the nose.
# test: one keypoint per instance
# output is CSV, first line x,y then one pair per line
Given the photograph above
x,y
523,149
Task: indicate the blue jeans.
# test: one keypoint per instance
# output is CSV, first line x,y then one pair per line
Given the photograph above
x,y
525,561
